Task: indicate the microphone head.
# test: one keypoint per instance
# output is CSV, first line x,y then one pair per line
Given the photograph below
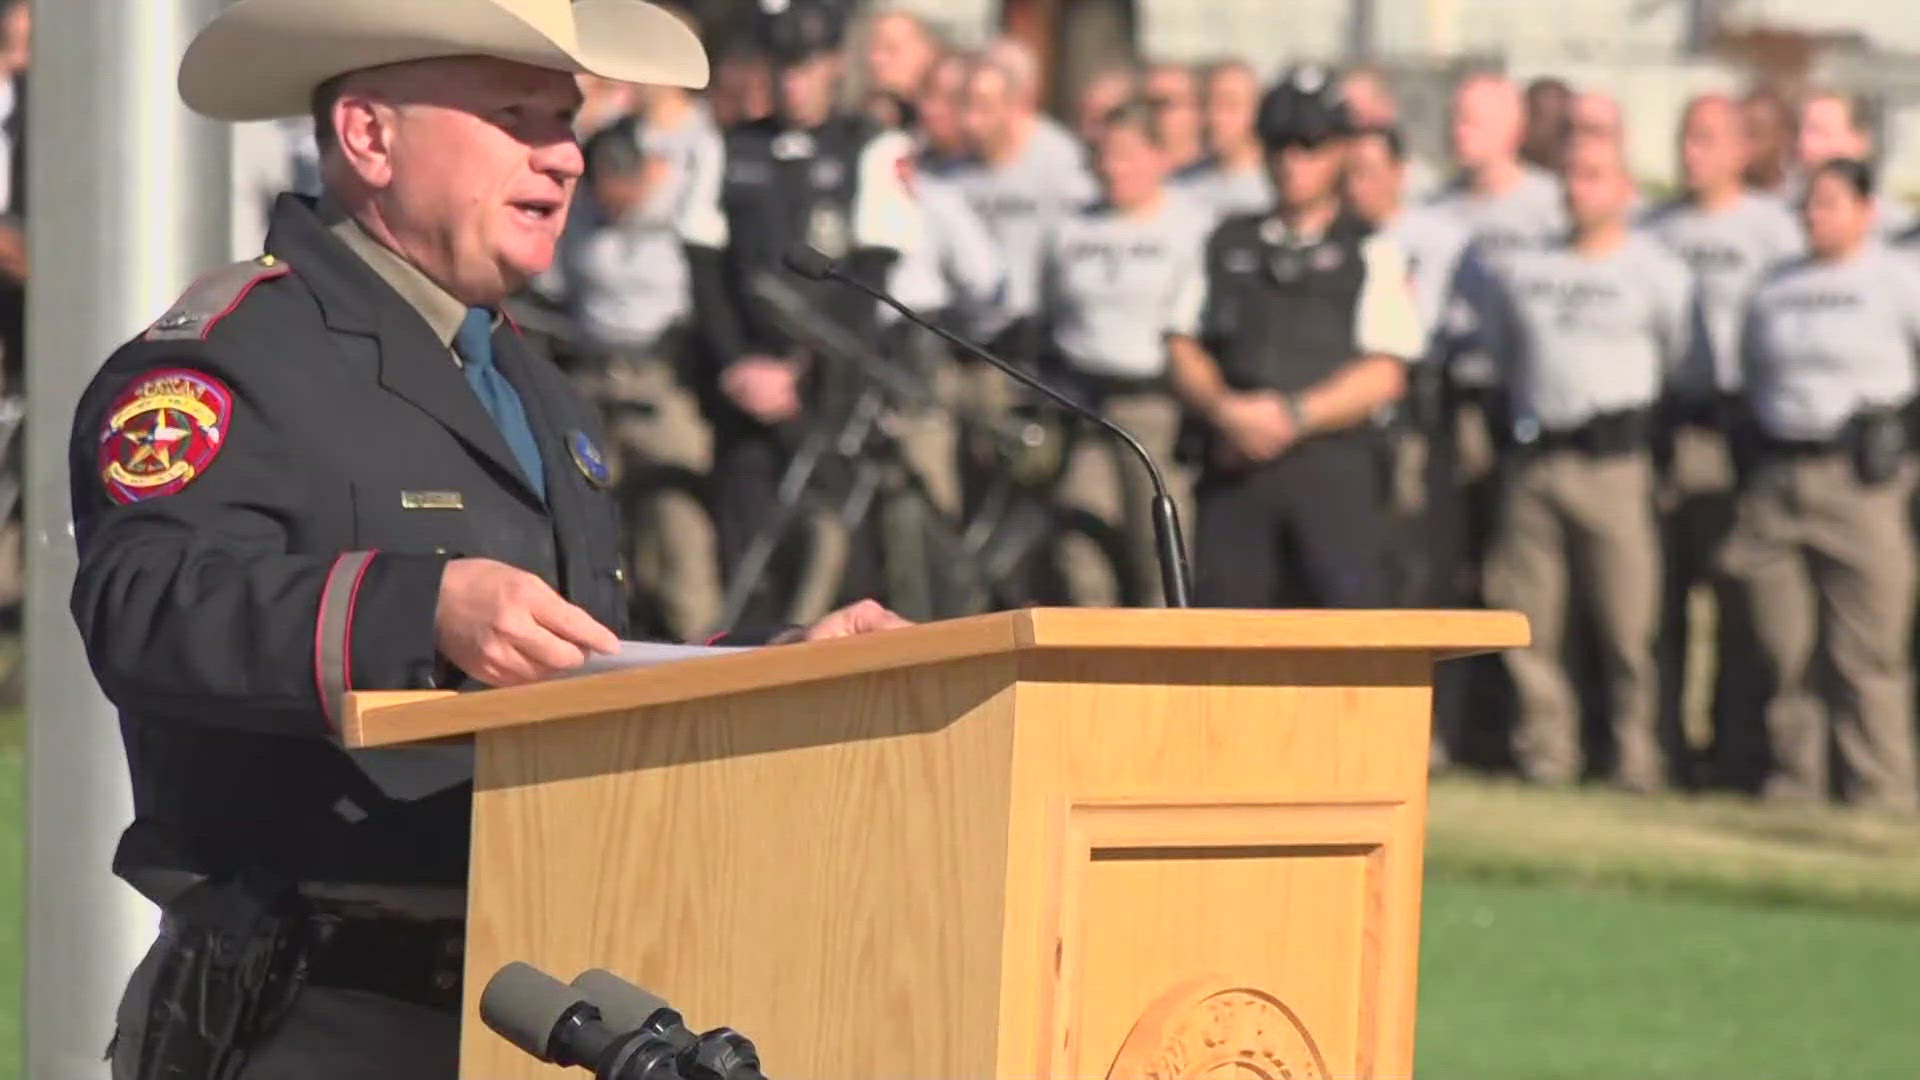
x,y
523,1005
809,262
623,1006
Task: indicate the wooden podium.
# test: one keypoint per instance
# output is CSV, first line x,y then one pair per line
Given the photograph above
x,y
1148,845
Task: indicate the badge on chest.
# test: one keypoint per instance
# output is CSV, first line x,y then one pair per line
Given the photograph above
x,y
589,460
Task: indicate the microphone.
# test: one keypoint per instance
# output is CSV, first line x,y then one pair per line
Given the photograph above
x,y
626,1007
1175,578
720,1054
550,1022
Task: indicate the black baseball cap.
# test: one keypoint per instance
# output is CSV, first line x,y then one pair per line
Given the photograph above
x,y
792,31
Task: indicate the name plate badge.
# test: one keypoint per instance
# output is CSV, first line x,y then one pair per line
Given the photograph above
x,y
431,500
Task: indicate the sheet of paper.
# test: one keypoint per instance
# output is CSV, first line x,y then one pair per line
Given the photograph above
x,y
640,654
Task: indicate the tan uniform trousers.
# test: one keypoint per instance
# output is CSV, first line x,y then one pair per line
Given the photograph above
x,y
1576,532
1705,678
1827,566
651,419
1105,478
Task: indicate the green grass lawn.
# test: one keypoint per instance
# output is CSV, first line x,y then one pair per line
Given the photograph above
x,y
1541,982
1587,936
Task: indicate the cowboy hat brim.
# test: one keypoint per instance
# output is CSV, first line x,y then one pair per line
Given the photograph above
x,y
262,59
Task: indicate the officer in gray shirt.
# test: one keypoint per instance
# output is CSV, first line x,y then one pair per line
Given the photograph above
x,y
1234,178
1587,334
1823,544
648,185
1729,236
1018,188
1434,243
1117,279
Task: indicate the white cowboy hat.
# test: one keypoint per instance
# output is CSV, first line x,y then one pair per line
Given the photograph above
x,y
261,59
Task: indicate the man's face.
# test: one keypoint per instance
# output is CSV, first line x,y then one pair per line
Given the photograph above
x,y
1767,129
1596,184
898,54
1373,179
1131,166
1713,146
806,89
1233,100
1486,123
1175,97
16,33
1598,116
1306,173
941,101
988,115
1837,218
479,167
1827,133
1098,99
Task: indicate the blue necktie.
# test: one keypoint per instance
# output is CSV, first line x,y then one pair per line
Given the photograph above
x,y
474,342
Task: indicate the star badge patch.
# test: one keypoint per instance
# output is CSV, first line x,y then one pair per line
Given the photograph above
x,y
162,432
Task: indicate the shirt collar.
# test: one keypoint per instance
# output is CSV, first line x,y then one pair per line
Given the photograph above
x,y
442,312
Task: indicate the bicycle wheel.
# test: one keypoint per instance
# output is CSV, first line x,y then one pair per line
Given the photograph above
x,y
1062,556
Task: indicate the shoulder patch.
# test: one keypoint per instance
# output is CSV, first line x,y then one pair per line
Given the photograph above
x,y
162,432
212,298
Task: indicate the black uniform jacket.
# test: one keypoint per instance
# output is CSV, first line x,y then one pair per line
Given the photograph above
x,y
226,608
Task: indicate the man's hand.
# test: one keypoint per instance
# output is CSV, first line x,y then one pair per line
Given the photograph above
x,y
865,617
1256,425
767,388
504,626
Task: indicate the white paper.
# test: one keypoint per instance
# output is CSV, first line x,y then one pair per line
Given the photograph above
x,y
642,654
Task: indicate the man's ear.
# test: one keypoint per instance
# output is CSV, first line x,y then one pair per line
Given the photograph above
x,y
365,128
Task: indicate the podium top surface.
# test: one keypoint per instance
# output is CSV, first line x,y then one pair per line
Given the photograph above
x,y
384,718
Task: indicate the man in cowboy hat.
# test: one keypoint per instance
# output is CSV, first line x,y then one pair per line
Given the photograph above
x,y
332,468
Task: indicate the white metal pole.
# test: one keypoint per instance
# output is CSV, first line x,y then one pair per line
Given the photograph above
x,y
128,200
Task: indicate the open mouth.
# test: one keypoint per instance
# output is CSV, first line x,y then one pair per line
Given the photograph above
x,y
537,211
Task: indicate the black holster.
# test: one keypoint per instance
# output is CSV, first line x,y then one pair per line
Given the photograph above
x,y
233,967
1879,444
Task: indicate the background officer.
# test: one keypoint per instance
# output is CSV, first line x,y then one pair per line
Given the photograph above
x,y
807,174
1305,332
1728,236
1587,333
623,267
1117,278
337,468
1435,242
1822,544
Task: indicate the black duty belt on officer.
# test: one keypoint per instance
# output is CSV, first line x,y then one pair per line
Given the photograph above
x,y
401,942
1876,440
1605,435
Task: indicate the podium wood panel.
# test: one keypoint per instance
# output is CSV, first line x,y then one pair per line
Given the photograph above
x,y
831,888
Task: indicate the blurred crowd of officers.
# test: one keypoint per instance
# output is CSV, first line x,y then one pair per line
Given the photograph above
x,y
1509,379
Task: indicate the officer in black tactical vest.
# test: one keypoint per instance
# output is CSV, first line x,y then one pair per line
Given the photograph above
x,y
1307,328
337,467
806,174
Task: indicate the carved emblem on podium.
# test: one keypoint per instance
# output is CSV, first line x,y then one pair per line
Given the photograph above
x,y
1213,1028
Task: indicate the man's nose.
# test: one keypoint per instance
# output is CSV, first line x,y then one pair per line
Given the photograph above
x,y
561,159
